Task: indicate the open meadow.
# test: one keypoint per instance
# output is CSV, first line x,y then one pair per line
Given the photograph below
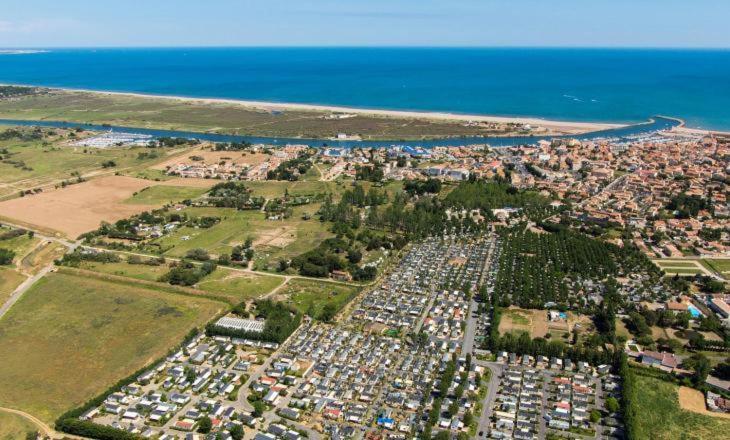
x,y
70,337
49,158
273,239
310,296
14,427
233,285
659,415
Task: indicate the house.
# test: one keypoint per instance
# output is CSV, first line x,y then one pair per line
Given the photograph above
x,y
665,361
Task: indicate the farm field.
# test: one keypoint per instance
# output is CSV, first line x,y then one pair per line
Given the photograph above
x,y
82,207
310,297
239,286
164,194
70,337
78,208
14,427
205,115
659,415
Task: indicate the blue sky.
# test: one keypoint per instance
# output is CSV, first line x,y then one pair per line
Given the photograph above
x,y
603,23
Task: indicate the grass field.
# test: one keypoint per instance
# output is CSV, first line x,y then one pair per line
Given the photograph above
x,y
235,286
311,296
14,427
20,245
676,263
32,164
239,286
659,415
71,337
137,271
516,320
162,195
272,239
721,266
681,271
225,117
9,280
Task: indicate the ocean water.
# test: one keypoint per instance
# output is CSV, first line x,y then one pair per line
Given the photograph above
x,y
610,85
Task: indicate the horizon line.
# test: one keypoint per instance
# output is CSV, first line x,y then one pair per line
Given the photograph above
x,y
375,46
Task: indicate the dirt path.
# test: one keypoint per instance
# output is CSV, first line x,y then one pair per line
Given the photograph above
x,y
694,401
42,427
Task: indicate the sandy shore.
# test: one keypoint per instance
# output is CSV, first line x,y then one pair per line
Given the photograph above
x,y
562,126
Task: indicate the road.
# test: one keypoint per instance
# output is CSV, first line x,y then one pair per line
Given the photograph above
x,y
488,402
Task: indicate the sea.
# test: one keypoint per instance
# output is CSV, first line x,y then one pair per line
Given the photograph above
x,y
602,85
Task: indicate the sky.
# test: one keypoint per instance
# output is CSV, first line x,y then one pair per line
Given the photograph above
x,y
541,23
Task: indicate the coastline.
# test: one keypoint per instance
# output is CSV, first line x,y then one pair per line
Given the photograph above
x,y
567,127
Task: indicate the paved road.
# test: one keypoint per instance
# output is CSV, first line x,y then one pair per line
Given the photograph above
x,y
488,402
20,290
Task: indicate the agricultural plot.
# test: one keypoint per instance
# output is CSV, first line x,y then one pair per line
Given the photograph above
x,y
660,416
82,207
70,337
311,297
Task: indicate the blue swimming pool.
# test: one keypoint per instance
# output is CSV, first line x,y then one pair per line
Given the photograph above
x,y
694,311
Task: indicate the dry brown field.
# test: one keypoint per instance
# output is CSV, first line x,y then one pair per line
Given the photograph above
x,y
78,208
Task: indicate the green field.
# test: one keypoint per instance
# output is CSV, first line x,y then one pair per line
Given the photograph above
x,y
21,245
272,239
676,263
162,195
721,266
660,417
14,427
69,338
239,286
235,286
224,117
681,271
137,271
311,296
31,164
9,280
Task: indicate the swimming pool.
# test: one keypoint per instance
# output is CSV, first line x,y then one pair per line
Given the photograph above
x,y
694,311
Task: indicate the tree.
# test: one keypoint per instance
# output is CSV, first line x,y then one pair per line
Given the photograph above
x,y
258,408
6,256
236,432
205,425
612,405
595,416
699,363
442,435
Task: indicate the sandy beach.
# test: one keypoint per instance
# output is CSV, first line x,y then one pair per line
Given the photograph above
x,y
561,126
